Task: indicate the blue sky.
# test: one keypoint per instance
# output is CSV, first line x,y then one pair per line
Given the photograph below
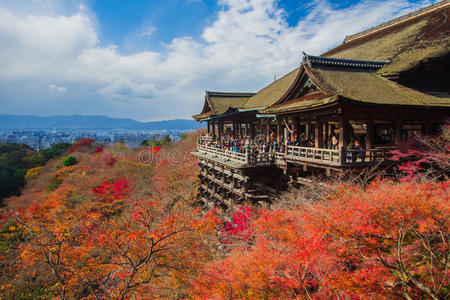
x,y
152,60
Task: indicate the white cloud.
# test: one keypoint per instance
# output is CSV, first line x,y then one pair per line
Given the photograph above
x,y
149,30
57,89
125,89
248,42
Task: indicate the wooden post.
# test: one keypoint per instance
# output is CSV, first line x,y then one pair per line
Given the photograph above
x,y
209,128
342,153
278,130
213,128
398,128
318,135
220,129
294,129
326,134
232,180
308,129
370,133
343,132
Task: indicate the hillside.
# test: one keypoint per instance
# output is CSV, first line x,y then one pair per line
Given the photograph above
x,y
15,122
125,223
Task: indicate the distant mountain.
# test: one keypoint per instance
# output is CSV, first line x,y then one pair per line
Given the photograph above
x,y
8,122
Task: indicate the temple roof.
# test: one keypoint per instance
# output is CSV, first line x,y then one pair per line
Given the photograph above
x,y
217,103
273,92
339,62
341,79
404,41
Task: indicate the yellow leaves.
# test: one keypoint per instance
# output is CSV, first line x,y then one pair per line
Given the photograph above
x,y
32,173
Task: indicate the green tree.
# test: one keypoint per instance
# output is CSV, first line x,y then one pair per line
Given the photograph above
x,y
69,161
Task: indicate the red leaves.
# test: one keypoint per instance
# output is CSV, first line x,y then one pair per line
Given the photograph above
x,y
99,149
155,149
109,160
109,192
347,246
82,145
239,227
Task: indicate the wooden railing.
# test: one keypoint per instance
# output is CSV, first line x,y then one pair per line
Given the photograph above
x,y
341,157
221,153
318,155
363,157
205,138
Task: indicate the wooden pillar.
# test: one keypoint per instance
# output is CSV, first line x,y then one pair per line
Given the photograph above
x,y
268,129
326,135
294,129
252,131
370,134
398,128
209,127
213,128
220,129
308,129
318,135
278,130
343,132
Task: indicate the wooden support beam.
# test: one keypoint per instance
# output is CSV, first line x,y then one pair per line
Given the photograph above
x,y
370,134
397,128
214,128
318,134
278,130
326,135
220,129
308,129
343,132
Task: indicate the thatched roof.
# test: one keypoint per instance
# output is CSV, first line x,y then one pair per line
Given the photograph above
x,y
405,42
273,92
356,80
217,103
370,87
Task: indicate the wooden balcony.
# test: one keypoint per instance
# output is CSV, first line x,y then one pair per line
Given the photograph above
x,y
296,155
338,158
235,159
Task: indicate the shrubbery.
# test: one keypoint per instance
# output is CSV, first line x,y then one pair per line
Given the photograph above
x,y
69,161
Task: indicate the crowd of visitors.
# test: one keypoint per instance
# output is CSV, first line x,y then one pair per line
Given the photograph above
x,y
260,146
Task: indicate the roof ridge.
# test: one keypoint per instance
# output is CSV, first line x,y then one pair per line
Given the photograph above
x,y
229,94
342,62
397,20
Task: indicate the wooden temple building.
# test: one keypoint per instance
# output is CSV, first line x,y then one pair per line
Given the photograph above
x,y
376,90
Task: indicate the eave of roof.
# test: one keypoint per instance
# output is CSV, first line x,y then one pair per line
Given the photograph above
x,y
202,116
228,94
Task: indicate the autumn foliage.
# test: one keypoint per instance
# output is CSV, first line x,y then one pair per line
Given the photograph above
x,y
118,227
390,239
